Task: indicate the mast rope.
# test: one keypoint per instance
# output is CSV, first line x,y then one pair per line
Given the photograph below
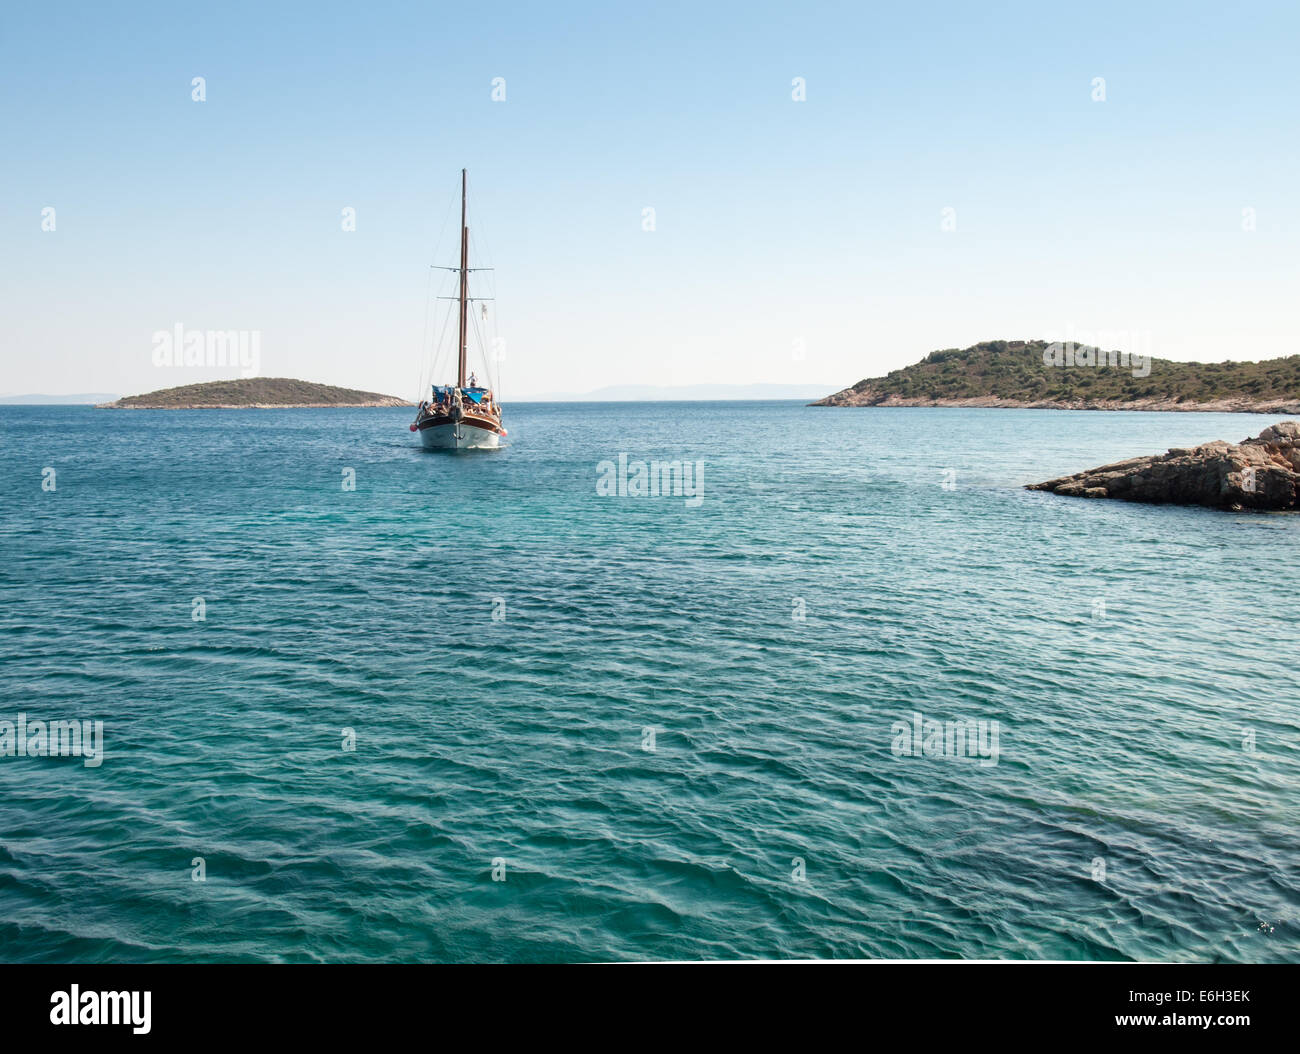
x,y
478,240
428,355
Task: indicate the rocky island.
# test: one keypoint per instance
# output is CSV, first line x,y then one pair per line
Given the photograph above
x,y
1259,473
260,393
1037,374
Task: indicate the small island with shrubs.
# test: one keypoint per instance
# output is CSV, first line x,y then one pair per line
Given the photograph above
x,y
253,393
1066,376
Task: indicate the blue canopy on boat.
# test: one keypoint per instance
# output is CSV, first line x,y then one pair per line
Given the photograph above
x,y
472,394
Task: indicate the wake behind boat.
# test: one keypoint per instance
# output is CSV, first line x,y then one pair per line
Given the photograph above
x,y
463,415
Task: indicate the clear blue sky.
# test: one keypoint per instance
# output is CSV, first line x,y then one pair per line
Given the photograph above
x,y
776,220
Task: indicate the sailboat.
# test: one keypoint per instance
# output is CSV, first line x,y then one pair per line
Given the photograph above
x,y
465,415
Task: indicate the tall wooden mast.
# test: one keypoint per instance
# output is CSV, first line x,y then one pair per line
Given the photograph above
x,y
464,283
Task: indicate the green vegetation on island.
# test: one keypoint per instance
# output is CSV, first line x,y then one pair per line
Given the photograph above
x,y
1067,376
253,392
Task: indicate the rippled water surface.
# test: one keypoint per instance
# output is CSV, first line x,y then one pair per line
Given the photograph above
x,y
1130,656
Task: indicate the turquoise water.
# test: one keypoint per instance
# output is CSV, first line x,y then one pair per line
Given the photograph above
x,y
1124,651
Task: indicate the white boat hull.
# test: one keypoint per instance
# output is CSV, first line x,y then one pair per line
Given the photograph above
x,y
462,436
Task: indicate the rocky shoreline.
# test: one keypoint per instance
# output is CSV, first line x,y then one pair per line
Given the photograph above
x,y
849,397
1260,473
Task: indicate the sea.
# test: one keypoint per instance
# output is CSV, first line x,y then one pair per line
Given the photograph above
x,y
846,690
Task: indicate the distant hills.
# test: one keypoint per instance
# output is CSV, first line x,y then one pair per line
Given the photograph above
x,y
1014,374
77,399
682,393
269,393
